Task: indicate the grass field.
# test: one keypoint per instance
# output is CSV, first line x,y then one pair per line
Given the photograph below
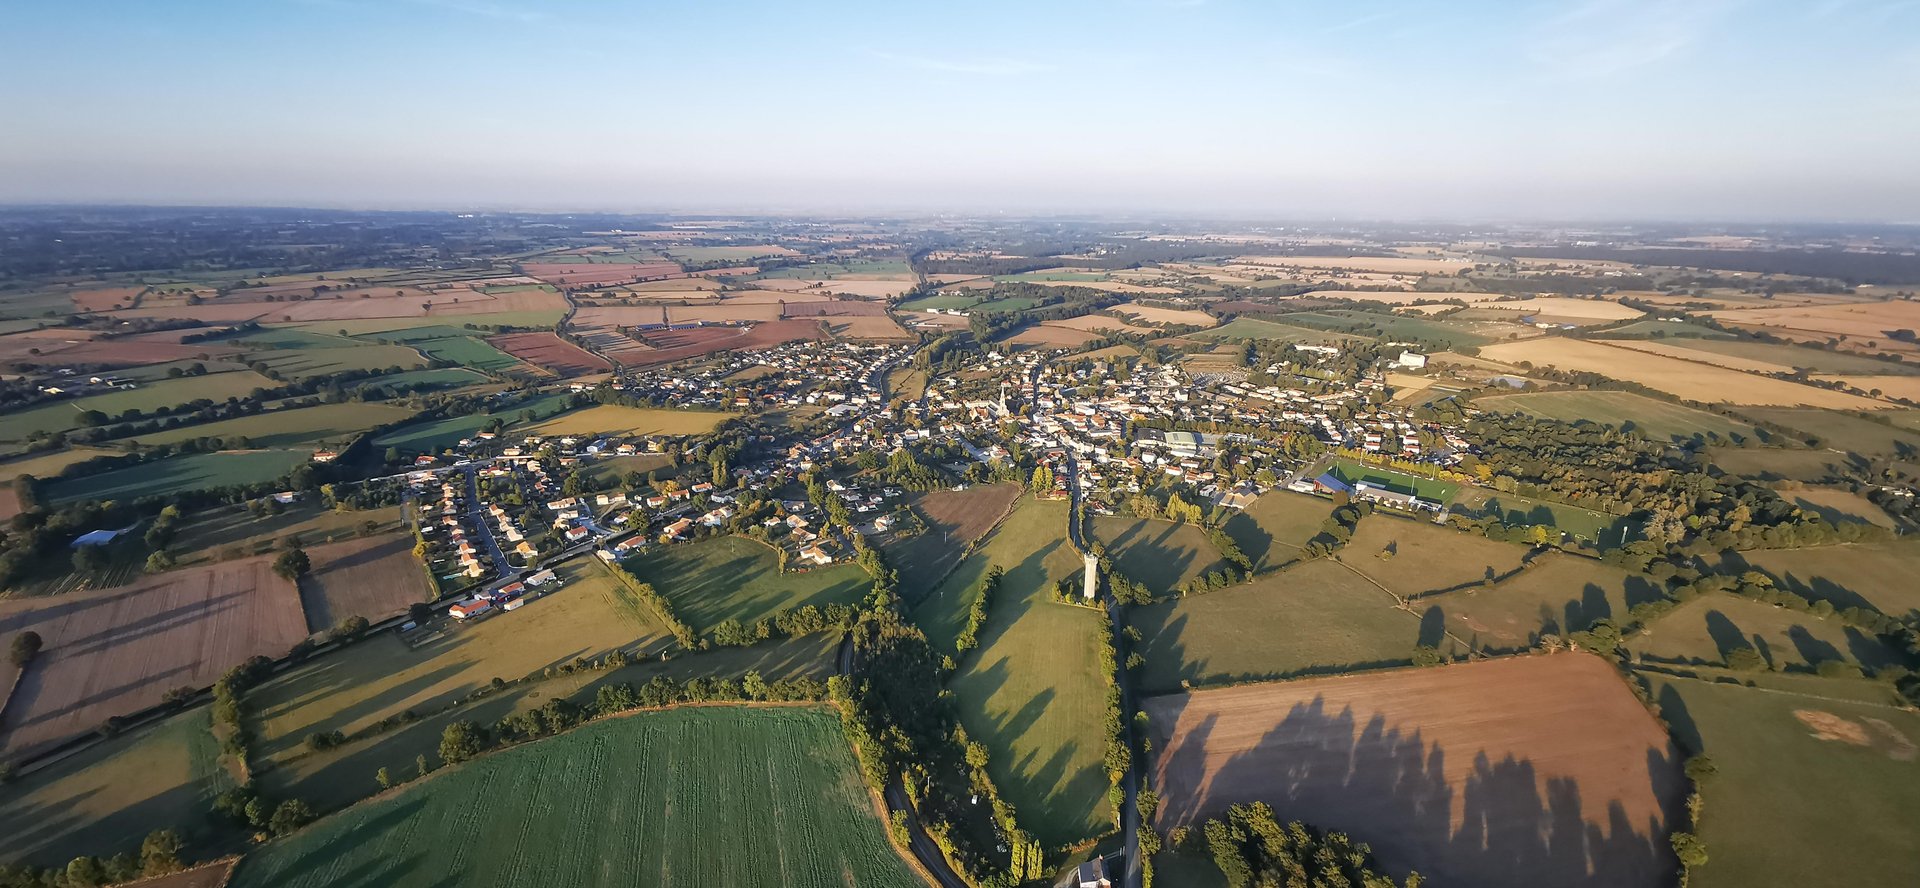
x,y
434,435
1772,463
1391,326
954,519
730,578
376,578
1845,815
176,474
1658,420
435,380
1703,630
468,352
1400,482
105,800
1422,557
1836,505
1513,510
46,465
1844,432
1877,575
1557,594
1818,360
62,415
210,533
691,796
614,420
1160,554
1314,618
1255,328
334,424
300,363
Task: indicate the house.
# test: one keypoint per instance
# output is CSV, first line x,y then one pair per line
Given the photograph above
x,y
514,604
816,555
576,534
325,456
1092,874
678,528
541,579
466,610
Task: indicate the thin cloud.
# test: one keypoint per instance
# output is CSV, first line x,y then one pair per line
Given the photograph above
x,y
985,66
1603,37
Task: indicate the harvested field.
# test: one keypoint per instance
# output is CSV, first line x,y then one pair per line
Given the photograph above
x,y
1902,387
1515,772
20,347
1167,316
667,346
866,328
612,419
955,518
105,298
1869,323
1044,336
835,308
548,350
375,578
1098,323
1684,379
583,274
235,531
1401,297
117,651
1382,264
1681,352
1658,420
867,289
1817,360
1703,631
1566,307
1255,328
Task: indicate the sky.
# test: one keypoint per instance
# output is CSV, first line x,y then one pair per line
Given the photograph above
x,y
1710,110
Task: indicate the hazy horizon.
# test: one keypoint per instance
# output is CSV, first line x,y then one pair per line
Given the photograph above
x,y
1607,110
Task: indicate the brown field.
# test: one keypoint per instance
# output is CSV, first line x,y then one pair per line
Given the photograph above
x,y
1044,336
207,875
1568,307
1097,323
866,288
1697,382
575,274
1865,322
9,503
1151,315
548,350
1383,265
117,651
374,578
1907,387
668,346
845,308
1113,287
954,519
104,299
1398,297
111,353
1519,771
1700,356
348,305
727,310
866,328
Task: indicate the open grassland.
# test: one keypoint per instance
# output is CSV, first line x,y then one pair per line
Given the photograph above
x,y
1587,525
106,799
732,578
1416,557
609,419
954,518
194,471
1161,554
1449,333
375,578
1836,505
692,796
434,435
116,651
1657,420
1684,379
1773,464
333,424
1555,594
1314,618
1514,772
430,380
300,363
46,465
1876,575
468,352
63,415
1807,791
1704,630
1841,431
1273,529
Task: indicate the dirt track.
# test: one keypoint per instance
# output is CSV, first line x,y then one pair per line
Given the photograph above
x,y
1523,771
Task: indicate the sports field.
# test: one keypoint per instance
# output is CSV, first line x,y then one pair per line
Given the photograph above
x,y
334,424
194,471
730,578
1431,489
1659,420
1161,554
1598,528
1807,791
692,796
1512,772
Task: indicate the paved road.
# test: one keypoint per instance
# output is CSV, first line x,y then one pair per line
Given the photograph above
x,y
920,843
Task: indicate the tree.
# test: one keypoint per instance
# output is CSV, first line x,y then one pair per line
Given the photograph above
x,y
1688,847
160,853
85,872
159,561
88,559
383,778
461,741
1745,659
26,646
292,564
289,816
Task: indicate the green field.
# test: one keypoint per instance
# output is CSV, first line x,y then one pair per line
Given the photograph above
x,y
944,301
63,415
50,463
434,435
1414,556
610,419
1789,808
468,353
1843,431
1389,326
1399,482
451,377
410,335
208,534
1877,575
1513,510
1273,529
1255,328
178,474
291,338
731,578
105,800
1557,594
690,796
1773,464
1160,554
1701,632
1312,618
1655,419
299,363
307,426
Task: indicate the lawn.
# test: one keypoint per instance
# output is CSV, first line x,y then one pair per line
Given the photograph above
x,y
1656,419
609,419
1557,594
437,434
300,363
1399,482
690,796
1807,791
1276,526
1876,575
732,578
1587,525
335,424
1161,554
63,415
1703,630
468,353
1032,692
177,474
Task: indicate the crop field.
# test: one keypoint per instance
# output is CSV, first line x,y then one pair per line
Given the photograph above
x,y
62,415
549,351
1772,464
1382,264
335,424
1818,360
468,352
1837,505
1099,323
104,800
1676,350
1043,336
1488,774
1567,307
1415,557
301,363
691,796
1703,630
375,578
1658,420
1557,594
730,578
1877,575
1450,333
176,474
433,435
1313,618
1512,510
1400,482
1864,322
222,531
51,463
865,289
1161,554
615,420
1684,379
1255,328
1845,816
116,651
1843,432
942,301
954,518
1167,316
433,380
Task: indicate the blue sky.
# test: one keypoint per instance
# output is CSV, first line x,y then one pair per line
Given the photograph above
x,y
1705,109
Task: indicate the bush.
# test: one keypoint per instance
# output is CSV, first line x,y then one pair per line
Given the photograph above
x,y
26,646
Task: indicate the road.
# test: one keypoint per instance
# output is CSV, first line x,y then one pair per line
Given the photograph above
x,y
1131,876
920,843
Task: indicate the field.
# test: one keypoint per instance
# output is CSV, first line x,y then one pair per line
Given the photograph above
x,y
731,578
468,352
1818,360
1836,505
1865,323
1703,630
1416,557
300,363
548,350
1523,771
219,532
1166,316
117,651
1381,264
1044,336
1843,432
1310,619
1655,419
1566,307
335,424
1275,527
434,435
954,519
1770,464
375,578
1557,594
1426,488
104,800
46,465
614,420
1254,328
432,380
1683,379
1588,525
1845,816
61,415
1877,575
690,796
1161,554
195,471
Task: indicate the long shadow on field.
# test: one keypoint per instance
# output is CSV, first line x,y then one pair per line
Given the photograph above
x,y
1815,587
1496,822
320,856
